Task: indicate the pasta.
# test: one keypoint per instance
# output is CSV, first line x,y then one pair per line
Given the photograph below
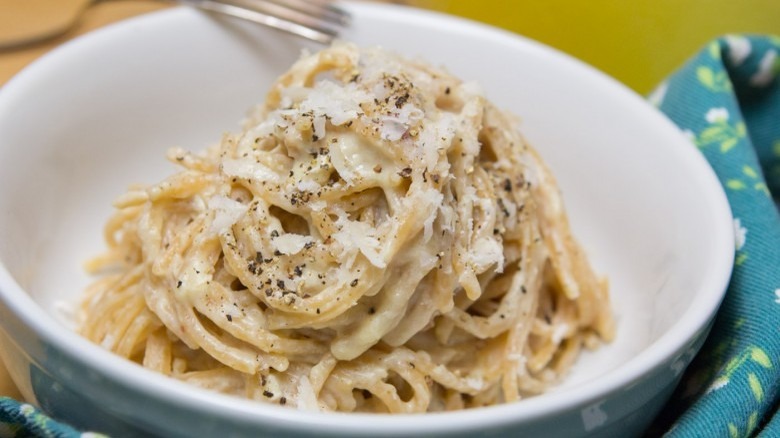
x,y
378,238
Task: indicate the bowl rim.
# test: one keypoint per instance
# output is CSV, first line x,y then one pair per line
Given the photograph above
x,y
143,381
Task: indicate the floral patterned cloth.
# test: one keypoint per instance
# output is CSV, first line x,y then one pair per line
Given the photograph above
x,y
24,420
727,100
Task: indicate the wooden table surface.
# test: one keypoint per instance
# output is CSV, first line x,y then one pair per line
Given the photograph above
x,y
12,61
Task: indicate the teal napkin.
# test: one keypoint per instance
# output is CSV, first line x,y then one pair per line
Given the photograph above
x,y
727,100
24,420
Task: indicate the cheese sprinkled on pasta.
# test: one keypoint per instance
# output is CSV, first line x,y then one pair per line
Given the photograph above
x,y
378,238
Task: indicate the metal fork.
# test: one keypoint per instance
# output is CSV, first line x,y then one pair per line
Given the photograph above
x,y
316,20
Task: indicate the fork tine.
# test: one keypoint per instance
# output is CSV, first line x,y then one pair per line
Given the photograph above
x,y
284,11
318,8
311,24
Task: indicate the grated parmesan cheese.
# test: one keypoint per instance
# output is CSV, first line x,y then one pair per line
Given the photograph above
x,y
290,244
226,213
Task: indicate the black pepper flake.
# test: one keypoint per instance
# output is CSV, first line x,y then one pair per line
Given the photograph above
x,y
314,137
268,394
229,317
447,90
435,177
371,310
275,233
298,271
269,292
277,252
401,100
280,284
254,268
354,282
507,185
308,245
503,207
178,285
495,231
318,310
406,172
283,401
523,289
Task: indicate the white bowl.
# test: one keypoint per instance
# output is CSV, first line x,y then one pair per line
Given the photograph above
x,y
97,114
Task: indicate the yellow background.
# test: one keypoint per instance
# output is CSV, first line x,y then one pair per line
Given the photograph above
x,y
639,42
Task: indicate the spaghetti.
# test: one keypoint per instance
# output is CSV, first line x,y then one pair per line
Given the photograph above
x,y
379,238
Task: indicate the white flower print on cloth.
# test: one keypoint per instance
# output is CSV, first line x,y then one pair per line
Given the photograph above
x,y
740,234
720,131
739,49
715,115
26,410
777,295
766,70
717,384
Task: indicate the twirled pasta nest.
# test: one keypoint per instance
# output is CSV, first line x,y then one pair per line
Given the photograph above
x,y
379,238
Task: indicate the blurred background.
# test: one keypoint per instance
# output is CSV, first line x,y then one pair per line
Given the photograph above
x,y
639,42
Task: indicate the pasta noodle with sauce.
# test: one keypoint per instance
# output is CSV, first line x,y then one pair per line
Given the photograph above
x,y
379,238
